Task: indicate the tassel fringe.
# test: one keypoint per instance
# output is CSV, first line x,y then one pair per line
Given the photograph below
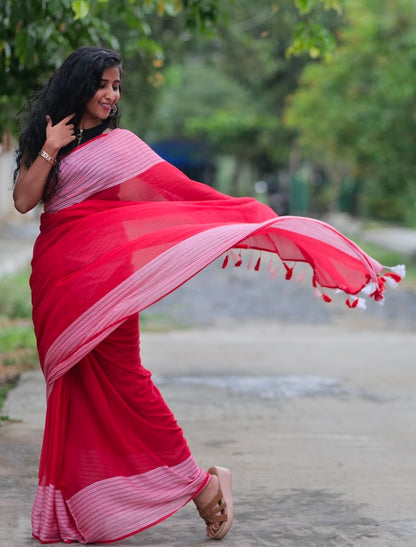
x,y
374,289
225,262
237,259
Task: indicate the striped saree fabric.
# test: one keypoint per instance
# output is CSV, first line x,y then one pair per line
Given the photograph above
x,y
124,229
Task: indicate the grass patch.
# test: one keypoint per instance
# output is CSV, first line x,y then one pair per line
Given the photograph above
x,y
389,257
158,322
17,347
16,335
15,300
17,338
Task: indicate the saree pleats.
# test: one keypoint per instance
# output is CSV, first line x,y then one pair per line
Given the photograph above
x,y
114,460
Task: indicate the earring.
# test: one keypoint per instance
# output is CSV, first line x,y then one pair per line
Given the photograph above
x,y
114,110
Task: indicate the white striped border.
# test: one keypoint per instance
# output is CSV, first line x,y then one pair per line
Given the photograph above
x,y
100,164
115,508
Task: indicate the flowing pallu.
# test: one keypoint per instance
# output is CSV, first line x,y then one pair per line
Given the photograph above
x,y
124,229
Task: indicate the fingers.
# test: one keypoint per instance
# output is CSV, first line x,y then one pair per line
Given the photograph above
x,y
70,127
67,119
62,133
64,121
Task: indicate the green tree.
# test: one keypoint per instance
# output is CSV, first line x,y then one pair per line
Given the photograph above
x,y
35,35
232,89
355,114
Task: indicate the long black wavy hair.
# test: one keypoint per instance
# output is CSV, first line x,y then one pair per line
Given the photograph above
x,y
67,92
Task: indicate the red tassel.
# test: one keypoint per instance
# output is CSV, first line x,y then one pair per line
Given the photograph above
x,y
257,266
289,272
327,298
394,276
225,263
378,293
237,259
352,304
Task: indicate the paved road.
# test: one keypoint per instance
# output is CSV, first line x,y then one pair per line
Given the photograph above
x,y
317,422
311,405
16,244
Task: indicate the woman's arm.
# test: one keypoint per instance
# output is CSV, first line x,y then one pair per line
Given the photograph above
x,y
31,182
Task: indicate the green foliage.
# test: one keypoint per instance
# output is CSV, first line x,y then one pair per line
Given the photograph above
x,y
212,105
313,37
81,9
15,336
317,40
354,112
231,129
15,300
36,35
231,90
306,6
201,13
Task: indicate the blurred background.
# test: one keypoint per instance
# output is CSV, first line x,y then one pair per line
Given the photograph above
x,y
308,105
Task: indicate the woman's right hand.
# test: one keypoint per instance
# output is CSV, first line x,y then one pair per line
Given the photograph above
x,y
31,181
60,134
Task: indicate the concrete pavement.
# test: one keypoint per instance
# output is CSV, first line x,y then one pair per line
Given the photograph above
x,y
318,424
316,421
396,238
16,243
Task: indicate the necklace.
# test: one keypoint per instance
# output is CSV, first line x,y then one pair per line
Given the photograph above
x,y
79,136
84,135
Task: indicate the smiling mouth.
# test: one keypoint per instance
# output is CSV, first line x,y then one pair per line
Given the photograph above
x,y
106,106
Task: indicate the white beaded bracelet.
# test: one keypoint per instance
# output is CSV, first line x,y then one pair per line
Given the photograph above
x,y
46,157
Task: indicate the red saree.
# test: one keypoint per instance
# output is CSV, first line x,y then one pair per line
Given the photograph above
x,y
124,230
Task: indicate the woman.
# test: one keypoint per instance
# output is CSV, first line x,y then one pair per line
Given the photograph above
x,y
121,229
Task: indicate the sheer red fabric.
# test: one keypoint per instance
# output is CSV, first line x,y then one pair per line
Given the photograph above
x,y
125,229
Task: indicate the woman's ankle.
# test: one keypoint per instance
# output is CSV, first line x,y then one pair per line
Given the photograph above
x,y
203,498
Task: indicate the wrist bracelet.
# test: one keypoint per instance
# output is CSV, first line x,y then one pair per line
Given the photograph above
x,y
46,157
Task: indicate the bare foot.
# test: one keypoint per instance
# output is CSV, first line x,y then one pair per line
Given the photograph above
x,y
204,498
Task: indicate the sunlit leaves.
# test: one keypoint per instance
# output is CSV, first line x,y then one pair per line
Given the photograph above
x,y
315,39
227,128
311,37
81,9
35,36
306,6
359,109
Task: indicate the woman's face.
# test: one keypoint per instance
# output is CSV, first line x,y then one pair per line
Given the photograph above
x,y
99,106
